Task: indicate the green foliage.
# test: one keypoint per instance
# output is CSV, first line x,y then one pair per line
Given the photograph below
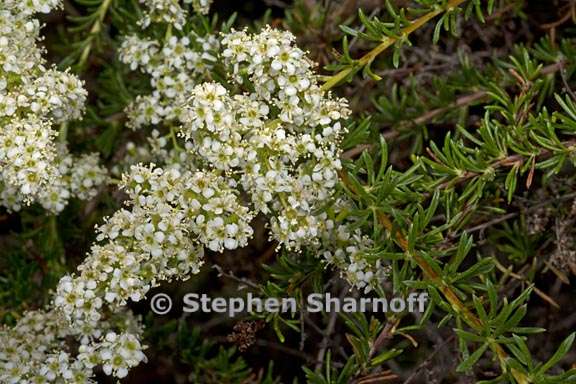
x,y
211,364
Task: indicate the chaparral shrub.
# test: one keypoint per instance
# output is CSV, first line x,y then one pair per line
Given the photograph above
x,y
351,149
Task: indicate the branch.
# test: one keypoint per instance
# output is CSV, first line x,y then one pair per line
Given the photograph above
x,y
508,161
430,274
386,43
462,101
96,28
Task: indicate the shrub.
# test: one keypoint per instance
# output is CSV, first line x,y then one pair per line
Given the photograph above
x,y
367,152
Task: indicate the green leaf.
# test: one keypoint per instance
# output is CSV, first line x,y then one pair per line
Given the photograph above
x,y
560,353
385,356
465,365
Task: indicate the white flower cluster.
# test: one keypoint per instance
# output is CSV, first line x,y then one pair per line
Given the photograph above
x,y
33,99
267,143
37,350
27,154
343,245
281,139
272,151
281,142
277,145
170,11
161,236
79,177
174,65
29,7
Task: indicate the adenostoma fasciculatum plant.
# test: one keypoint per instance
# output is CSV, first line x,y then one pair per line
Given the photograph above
x,y
352,148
